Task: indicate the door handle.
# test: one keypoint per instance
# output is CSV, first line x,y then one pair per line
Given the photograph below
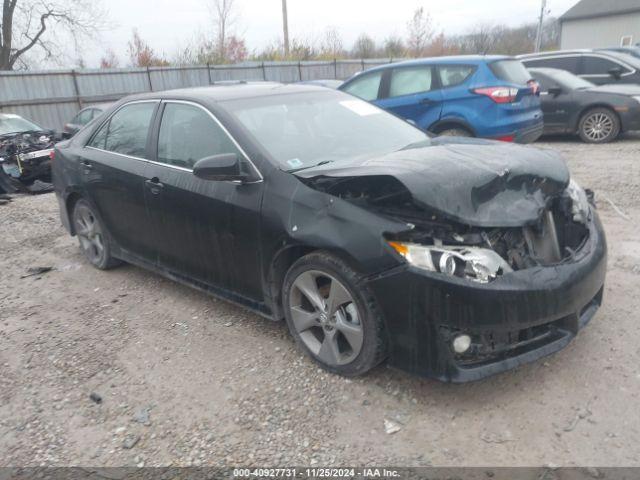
x,y
427,101
86,165
154,185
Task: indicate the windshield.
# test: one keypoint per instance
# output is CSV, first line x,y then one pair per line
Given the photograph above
x,y
570,81
306,129
14,124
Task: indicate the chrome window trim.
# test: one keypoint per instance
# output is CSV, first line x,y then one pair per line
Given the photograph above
x,y
224,129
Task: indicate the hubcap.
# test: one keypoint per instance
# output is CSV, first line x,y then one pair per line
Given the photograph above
x,y
326,317
598,126
89,233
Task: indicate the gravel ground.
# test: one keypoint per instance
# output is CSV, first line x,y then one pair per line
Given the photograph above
x,y
185,379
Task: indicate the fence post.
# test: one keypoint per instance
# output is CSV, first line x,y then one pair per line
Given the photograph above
x,y
209,72
300,69
264,72
76,89
149,78
335,68
362,61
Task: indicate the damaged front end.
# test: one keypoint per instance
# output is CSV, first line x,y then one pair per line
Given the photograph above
x,y
25,162
503,264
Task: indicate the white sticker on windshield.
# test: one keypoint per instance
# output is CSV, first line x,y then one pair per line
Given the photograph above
x,y
295,163
360,107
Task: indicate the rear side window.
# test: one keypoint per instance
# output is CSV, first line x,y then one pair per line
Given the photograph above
x,y
410,80
126,132
188,134
452,75
599,66
568,63
83,117
365,87
511,71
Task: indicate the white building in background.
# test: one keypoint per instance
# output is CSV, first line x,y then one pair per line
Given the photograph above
x,y
601,23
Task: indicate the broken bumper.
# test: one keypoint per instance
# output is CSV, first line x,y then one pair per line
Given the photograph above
x,y
518,318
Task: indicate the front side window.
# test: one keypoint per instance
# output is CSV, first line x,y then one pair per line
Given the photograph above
x,y
410,80
188,134
365,87
126,131
452,75
599,66
83,117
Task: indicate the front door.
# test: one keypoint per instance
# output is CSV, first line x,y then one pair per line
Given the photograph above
x,y
207,231
112,170
412,93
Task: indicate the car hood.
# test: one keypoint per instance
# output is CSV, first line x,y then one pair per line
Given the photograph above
x,y
618,88
475,182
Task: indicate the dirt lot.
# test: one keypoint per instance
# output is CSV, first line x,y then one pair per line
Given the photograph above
x,y
189,380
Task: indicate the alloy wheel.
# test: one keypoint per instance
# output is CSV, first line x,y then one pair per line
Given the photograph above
x,y
89,233
598,126
326,317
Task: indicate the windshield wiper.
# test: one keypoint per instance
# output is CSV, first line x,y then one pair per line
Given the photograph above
x,y
323,162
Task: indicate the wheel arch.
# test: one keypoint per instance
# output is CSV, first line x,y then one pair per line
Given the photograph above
x,y
451,122
70,203
280,264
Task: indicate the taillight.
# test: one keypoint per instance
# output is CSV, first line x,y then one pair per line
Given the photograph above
x,y
52,155
535,86
499,94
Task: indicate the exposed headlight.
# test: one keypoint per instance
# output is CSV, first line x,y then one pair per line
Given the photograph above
x,y
580,205
478,264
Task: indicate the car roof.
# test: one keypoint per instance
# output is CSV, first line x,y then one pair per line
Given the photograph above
x,y
453,59
223,91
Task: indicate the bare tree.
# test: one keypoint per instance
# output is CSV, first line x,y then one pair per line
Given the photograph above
x,y
394,47
141,54
331,45
224,17
419,32
43,26
109,60
364,47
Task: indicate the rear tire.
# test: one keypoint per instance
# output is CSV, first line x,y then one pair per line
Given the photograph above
x,y
599,125
455,132
333,315
94,242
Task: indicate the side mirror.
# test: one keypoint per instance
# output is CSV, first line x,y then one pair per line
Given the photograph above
x,y
615,73
555,91
223,167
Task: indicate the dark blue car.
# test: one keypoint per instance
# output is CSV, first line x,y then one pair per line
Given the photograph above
x,y
482,96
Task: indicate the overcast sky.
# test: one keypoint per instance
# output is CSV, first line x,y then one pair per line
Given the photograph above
x,y
169,24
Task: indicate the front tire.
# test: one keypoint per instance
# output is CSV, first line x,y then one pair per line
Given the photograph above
x,y
333,315
599,125
92,237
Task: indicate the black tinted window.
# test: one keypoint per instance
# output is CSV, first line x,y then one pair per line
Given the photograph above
x,y
599,66
126,132
188,134
569,63
544,82
452,75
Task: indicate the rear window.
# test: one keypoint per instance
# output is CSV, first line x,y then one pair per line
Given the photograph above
x,y
510,71
569,63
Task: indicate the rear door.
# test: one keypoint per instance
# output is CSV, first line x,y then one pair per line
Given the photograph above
x,y
206,231
112,169
413,93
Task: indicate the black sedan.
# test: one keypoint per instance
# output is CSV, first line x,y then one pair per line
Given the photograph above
x,y
453,258
573,105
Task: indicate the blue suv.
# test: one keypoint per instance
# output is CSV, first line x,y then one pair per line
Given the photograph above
x,y
483,96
